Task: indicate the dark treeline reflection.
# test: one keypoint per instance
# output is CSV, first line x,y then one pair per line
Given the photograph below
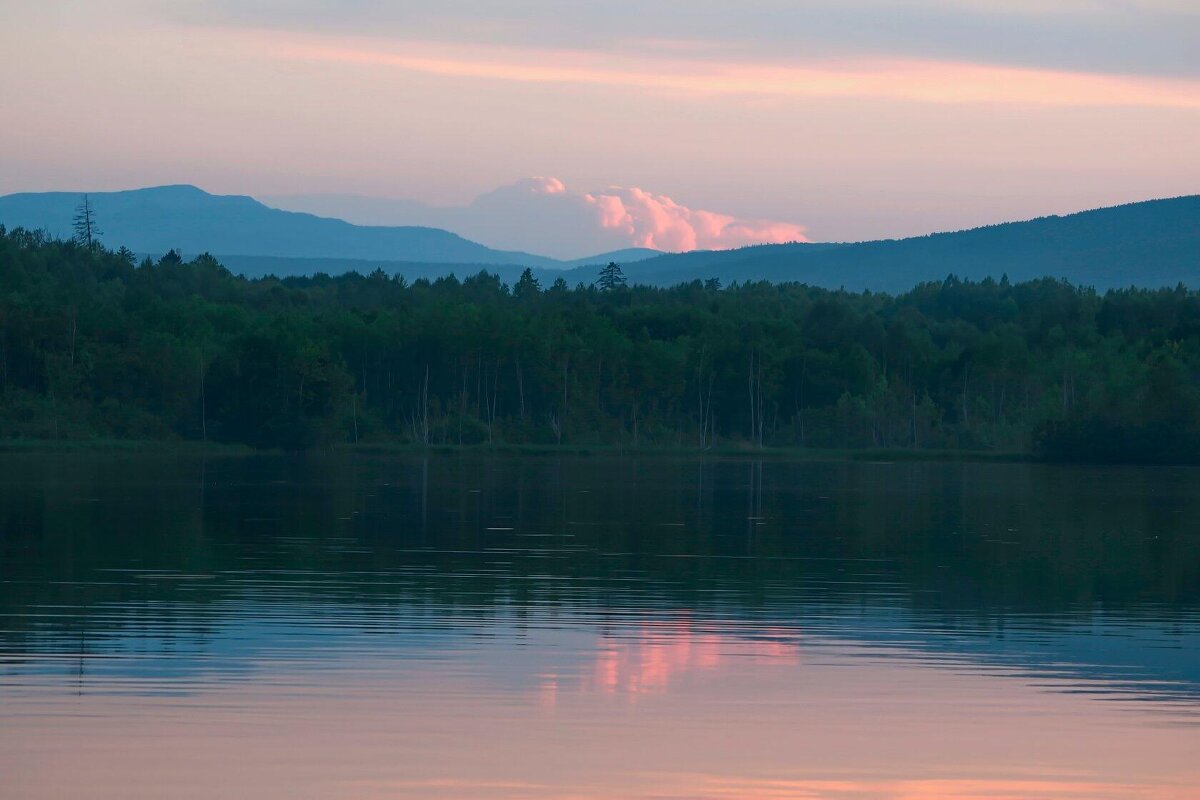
x,y
97,551
94,345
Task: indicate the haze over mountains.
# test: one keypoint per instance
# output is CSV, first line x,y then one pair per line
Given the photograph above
x,y
188,219
1148,244
1151,244
544,215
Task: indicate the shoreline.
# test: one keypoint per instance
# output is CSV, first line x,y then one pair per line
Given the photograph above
x,y
734,452
187,447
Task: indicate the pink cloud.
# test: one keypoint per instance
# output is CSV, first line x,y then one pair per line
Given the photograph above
x,y
657,221
543,215
905,79
542,185
532,212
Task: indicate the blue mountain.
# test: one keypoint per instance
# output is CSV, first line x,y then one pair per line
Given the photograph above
x,y
192,221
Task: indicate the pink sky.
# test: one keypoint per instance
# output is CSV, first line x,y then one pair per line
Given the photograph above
x,y
849,120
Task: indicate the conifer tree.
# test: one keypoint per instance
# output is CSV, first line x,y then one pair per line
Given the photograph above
x,y
86,230
611,277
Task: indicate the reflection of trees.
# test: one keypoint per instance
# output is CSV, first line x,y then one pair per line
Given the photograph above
x,y
968,547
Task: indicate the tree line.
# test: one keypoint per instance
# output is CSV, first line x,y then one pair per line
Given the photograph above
x,y
97,344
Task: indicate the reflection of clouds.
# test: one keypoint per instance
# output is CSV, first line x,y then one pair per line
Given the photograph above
x,y
647,660
548,692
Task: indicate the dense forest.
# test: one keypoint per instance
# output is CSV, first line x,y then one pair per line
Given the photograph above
x,y
94,344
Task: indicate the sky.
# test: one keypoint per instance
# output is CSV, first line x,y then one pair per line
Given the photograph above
x,y
688,123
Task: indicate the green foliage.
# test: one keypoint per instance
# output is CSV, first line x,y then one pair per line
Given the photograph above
x,y
92,346
611,277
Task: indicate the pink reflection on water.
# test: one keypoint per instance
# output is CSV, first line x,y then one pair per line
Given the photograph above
x,y
681,709
656,654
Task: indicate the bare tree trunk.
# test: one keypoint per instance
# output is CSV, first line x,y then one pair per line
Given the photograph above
x,y
750,388
203,401
761,405
635,421
420,417
1066,393
562,423
4,359
966,417
491,404
800,410
914,419
708,410
462,401
521,386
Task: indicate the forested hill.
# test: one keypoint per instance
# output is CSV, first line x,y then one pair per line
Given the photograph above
x,y
94,345
1150,244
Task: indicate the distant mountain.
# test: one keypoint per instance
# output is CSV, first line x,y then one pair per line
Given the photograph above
x,y
185,218
542,214
629,255
1151,244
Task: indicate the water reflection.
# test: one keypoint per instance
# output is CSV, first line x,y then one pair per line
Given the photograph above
x,y
648,658
490,628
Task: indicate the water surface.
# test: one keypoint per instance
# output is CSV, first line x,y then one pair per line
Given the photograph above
x,y
451,627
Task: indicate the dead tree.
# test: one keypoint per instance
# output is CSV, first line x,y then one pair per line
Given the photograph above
x,y
87,232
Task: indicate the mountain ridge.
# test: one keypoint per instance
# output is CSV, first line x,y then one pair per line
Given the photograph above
x,y
1147,243
186,218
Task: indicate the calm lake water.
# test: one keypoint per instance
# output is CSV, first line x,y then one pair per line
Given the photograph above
x,y
448,627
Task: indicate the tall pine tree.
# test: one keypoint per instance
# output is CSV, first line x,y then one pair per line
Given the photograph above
x,y
611,277
87,232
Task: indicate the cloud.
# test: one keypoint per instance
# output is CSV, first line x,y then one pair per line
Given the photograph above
x,y
1148,37
906,79
543,215
657,221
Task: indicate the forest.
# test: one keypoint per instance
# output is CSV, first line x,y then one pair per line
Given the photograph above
x,y
97,344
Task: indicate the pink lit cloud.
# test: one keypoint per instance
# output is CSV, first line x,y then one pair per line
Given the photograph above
x,y
544,215
883,78
657,221
543,212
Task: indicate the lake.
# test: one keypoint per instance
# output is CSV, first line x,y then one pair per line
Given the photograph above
x,y
350,626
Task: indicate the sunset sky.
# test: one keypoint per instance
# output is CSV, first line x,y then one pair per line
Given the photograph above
x,y
830,119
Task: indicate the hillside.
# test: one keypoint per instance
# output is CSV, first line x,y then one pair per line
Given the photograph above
x,y
1148,244
1154,243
